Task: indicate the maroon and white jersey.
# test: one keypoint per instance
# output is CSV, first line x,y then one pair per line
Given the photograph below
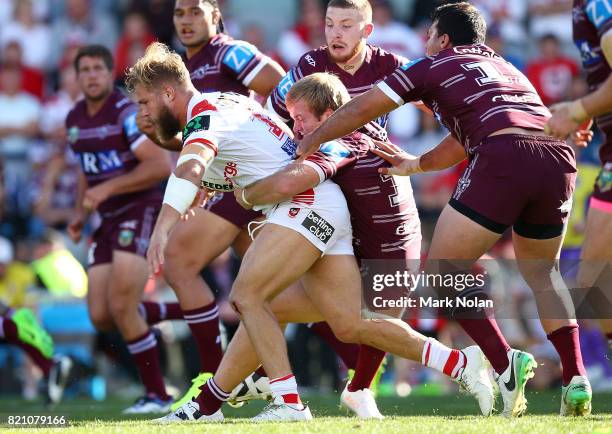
x,y
471,90
105,144
225,65
378,64
383,212
592,19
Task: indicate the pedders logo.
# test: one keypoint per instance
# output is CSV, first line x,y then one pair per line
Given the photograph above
x,y
293,212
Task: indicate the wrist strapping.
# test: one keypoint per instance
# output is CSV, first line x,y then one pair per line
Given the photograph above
x,y
180,194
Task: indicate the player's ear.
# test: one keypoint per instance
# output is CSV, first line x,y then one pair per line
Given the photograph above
x,y
216,16
445,41
326,114
169,93
367,30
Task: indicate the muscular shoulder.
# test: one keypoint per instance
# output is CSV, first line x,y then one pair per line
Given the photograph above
x,y
313,61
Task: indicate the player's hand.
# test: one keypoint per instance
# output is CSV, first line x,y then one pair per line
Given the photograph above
x,y
199,202
562,123
238,194
95,196
306,147
584,135
75,227
403,163
155,253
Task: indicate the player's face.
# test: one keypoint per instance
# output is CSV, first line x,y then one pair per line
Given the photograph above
x,y
435,43
346,32
195,22
95,79
304,120
155,107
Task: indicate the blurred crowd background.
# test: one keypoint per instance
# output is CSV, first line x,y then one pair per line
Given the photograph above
x,y
38,39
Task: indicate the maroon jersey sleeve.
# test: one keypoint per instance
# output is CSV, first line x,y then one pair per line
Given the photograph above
x,y
408,82
330,158
599,12
242,60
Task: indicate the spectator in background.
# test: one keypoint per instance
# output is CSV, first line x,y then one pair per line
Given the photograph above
x,y
33,36
497,43
551,73
19,115
33,81
509,16
392,35
80,26
158,14
551,16
135,39
308,33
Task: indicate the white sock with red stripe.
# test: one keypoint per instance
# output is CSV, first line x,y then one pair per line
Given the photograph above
x,y
285,388
446,360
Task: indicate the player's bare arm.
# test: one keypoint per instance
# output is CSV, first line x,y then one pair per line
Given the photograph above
x,y
80,213
181,191
569,116
153,167
278,187
352,115
267,79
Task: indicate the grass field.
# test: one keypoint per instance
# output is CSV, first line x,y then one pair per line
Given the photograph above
x,y
423,414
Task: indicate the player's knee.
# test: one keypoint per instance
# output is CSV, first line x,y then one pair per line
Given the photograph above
x,y
244,298
347,332
121,305
101,319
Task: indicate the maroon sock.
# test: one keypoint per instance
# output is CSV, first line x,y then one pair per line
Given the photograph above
x,y
146,356
567,343
347,352
368,362
204,325
8,329
211,398
261,372
154,312
490,339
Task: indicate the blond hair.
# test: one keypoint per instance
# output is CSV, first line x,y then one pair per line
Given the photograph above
x,y
158,65
321,91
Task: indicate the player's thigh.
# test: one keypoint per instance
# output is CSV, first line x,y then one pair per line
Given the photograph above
x,y
97,296
294,305
596,255
129,274
537,259
334,286
194,243
276,259
242,241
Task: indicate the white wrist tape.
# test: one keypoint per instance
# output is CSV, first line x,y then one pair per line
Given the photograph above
x,y
180,194
188,157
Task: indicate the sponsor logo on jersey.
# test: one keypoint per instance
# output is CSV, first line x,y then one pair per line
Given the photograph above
x,y
285,85
230,170
411,63
334,150
516,98
310,60
217,186
293,212
126,237
238,57
289,147
197,124
588,56
94,163
129,125
200,73
73,135
318,226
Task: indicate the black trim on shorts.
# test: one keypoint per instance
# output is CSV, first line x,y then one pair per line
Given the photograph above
x,y
537,232
483,221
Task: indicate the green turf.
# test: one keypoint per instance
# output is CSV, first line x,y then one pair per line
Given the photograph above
x,y
421,414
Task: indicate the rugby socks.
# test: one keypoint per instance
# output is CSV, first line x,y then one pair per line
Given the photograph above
x,y
446,360
8,331
490,339
153,312
211,397
347,352
285,388
567,343
368,363
146,356
204,325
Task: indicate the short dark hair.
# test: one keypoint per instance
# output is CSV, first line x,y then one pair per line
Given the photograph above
x,y
99,51
462,22
362,6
